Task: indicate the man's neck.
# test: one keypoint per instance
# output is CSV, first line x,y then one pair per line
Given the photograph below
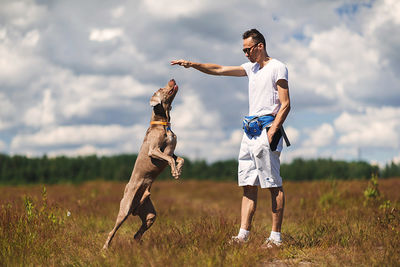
x,y
264,59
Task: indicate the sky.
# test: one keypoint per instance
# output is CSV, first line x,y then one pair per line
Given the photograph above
x,y
76,76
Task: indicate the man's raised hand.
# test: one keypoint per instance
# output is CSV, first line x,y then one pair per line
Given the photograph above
x,y
181,62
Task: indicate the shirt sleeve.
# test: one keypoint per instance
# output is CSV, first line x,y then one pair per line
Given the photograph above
x,y
281,72
247,67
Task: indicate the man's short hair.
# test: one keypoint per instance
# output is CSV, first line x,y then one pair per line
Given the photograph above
x,y
256,35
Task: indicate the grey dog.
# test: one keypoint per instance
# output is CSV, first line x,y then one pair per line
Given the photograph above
x,y
156,152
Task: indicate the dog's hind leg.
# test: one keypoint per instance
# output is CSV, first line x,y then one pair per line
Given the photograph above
x,y
131,199
147,214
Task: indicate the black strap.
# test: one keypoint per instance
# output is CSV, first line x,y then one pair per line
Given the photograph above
x,y
285,136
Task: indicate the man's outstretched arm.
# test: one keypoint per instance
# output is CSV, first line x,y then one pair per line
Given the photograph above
x,y
212,69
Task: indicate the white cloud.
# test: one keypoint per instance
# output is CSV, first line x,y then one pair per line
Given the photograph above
x,y
227,148
391,9
376,127
380,26
118,12
335,65
102,35
69,95
199,130
31,38
23,13
77,135
83,94
293,134
42,114
12,65
192,114
319,137
344,64
174,8
19,63
7,110
3,124
3,34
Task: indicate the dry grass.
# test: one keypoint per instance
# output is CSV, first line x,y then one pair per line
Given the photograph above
x,y
326,223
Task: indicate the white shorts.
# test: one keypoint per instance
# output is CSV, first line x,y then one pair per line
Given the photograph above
x,y
258,165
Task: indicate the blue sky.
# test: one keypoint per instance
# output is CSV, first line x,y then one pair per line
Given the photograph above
x,y
76,77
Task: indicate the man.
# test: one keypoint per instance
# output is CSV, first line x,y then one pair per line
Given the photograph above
x,y
259,163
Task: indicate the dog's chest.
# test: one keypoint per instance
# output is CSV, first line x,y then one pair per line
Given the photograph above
x,y
170,137
169,143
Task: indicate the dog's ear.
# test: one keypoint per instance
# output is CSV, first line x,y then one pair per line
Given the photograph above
x,y
155,100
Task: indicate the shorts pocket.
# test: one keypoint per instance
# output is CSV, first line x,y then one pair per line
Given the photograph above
x,y
275,139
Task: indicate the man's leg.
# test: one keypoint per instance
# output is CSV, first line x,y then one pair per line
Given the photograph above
x,y
249,205
278,205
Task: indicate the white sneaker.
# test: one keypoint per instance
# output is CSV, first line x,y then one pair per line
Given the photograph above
x,y
270,243
237,240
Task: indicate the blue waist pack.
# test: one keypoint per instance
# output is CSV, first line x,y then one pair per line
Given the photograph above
x,y
253,125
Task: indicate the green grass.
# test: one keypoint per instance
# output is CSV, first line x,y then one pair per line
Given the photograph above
x,y
326,223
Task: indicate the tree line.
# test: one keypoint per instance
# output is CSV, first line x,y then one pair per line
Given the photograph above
x,y
23,170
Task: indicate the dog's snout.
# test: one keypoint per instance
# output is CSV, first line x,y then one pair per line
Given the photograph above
x,y
172,83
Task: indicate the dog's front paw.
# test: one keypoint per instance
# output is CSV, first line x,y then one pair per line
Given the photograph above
x,y
179,166
176,175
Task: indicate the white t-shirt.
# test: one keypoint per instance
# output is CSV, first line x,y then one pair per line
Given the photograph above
x,y
263,92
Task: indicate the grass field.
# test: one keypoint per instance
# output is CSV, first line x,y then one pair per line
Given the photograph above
x,y
339,223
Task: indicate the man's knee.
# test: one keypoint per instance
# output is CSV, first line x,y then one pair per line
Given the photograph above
x,y
277,199
276,190
250,191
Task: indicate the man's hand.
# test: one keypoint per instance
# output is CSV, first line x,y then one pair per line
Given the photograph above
x,y
271,132
212,69
181,62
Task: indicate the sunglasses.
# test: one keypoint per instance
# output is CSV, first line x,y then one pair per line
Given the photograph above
x,y
247,50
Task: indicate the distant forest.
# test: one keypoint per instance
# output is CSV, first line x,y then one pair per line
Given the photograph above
x,y
24,170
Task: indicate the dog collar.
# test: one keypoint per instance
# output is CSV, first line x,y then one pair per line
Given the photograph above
x,y
161,122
